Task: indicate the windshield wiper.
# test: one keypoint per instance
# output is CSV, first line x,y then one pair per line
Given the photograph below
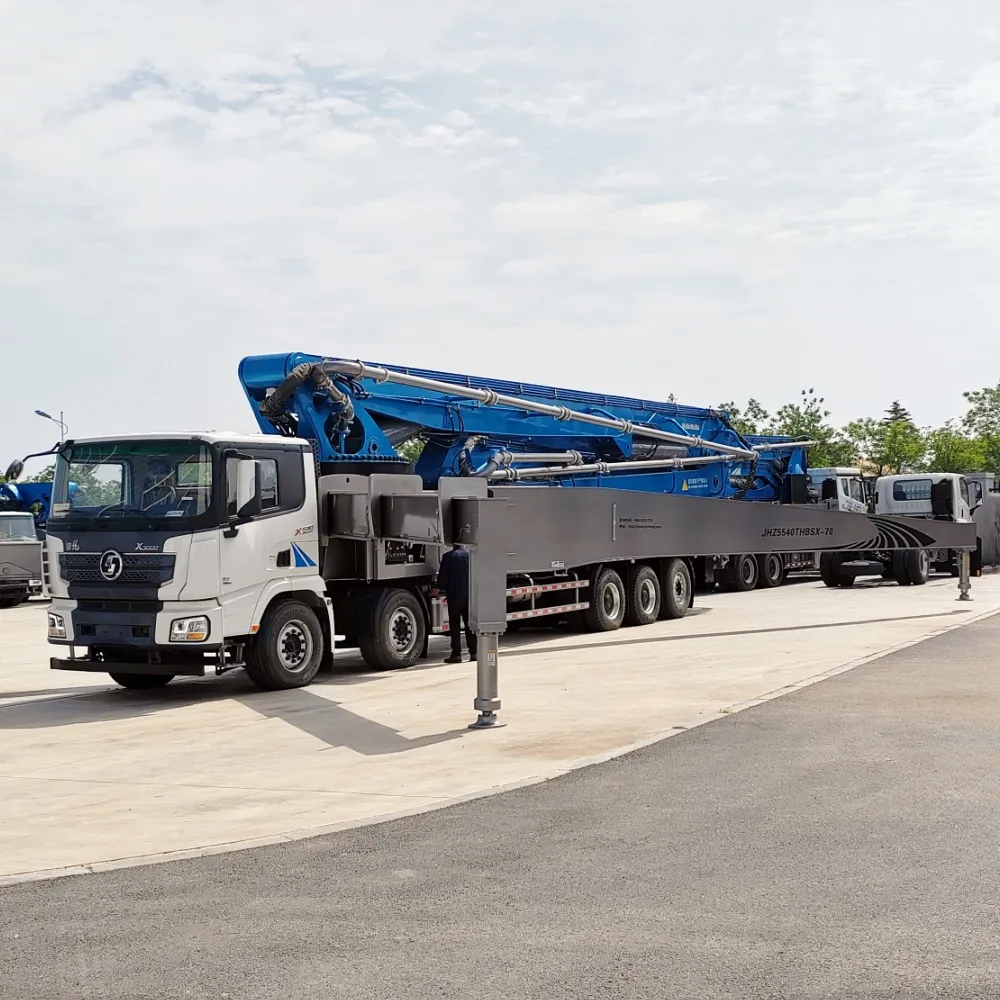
x,y
122,508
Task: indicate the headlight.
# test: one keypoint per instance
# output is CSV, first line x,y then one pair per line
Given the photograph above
x,y
57,627
189,629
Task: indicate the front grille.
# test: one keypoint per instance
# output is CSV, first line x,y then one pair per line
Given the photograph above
x,y
84,567
85,605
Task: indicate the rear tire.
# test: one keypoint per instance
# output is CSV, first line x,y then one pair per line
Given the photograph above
x,y
12,602
141,682
288,650
398,631
607,602
918,567
900,572
676,589
642,606
770,571
741,574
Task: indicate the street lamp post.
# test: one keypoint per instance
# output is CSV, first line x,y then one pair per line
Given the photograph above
x,y
60,422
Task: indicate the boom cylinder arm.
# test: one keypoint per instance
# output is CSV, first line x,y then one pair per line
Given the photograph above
x,y
358,412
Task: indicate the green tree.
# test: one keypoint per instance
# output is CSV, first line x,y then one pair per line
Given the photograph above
x,y
887,447
951,449
982,421
895,412
752,420
808,419
45,476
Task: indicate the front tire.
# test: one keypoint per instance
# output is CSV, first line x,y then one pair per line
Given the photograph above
x,y
288,650
607,602
398,631
141,682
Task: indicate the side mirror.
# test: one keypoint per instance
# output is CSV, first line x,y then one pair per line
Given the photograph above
x,y
977,490
14,471
829,489
248,489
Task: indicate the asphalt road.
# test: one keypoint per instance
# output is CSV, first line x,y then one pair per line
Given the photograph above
x,y
840,842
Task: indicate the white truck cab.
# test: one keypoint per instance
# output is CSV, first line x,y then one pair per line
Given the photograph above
x,y
184,553
842,488
946,496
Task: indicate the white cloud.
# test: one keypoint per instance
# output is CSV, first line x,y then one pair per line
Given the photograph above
x,y
547,192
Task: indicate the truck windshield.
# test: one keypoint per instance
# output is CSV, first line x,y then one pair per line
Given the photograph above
x,y
17,528
129,480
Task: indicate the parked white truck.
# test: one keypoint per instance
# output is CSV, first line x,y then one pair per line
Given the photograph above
x,y
934,496
20,559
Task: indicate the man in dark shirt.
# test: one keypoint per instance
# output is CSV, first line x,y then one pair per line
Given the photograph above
x,y
453,579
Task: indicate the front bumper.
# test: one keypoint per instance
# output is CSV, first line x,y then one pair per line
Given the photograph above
x,y
148,667
136,625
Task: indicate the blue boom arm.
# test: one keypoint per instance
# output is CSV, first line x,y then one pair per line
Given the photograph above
x,y
358,415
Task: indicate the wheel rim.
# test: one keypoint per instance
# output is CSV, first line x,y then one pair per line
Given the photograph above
x,y
679,587
402,631
774,567
612,601
924,563
747,571
295,647
647,597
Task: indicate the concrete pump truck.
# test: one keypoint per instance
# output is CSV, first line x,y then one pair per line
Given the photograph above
x,y
183,554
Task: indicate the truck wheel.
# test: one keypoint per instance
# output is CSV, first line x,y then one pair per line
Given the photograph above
x,y
900,573
829,567
287,651
642,606
741,574
676,590
607,602
918,567
770,570
397,631
12,602
141,682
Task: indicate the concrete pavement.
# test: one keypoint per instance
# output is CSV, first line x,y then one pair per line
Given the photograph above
x,y
836,843
92,775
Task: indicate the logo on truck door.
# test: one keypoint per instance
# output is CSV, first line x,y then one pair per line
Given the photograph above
x,y
302,558
111,565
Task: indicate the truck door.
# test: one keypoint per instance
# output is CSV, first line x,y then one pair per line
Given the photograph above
x,y
275,545
964,505
943,497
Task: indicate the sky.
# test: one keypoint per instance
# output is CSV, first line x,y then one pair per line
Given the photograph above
x,y
710,199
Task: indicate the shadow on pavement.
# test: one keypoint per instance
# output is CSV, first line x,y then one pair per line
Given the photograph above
x,y
322,718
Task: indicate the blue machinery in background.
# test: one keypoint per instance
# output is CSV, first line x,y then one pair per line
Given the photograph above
x,y
30,498
357,415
